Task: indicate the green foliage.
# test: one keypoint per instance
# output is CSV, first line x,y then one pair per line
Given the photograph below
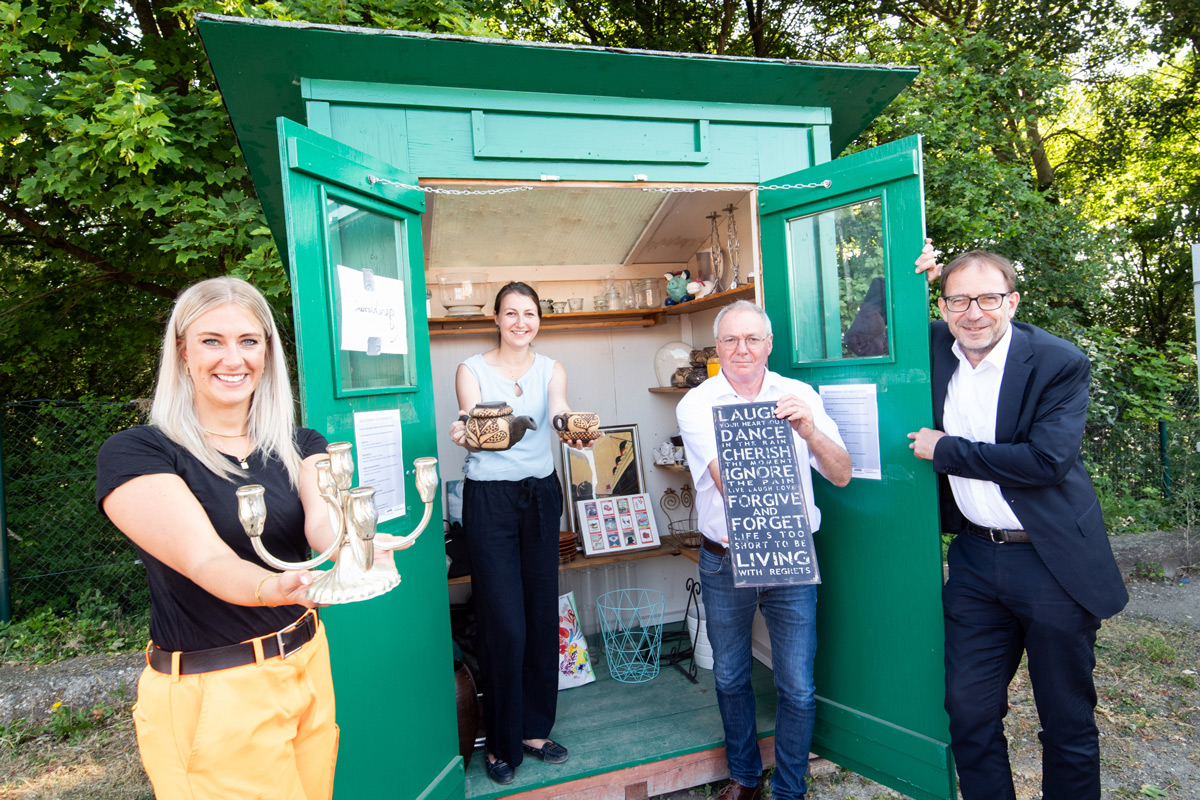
x,y
978,103
1132,381
121,182
94,626
60,545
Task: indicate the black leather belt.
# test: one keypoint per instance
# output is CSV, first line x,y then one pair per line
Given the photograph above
x,y
998,535
716,548
281,643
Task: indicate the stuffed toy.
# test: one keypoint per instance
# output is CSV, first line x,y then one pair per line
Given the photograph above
x,y
677,283
698,289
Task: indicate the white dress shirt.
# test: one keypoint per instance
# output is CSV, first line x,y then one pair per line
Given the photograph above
x,y
972,400
694,414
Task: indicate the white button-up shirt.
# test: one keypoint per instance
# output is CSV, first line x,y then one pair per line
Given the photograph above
x,y
694,414
972,399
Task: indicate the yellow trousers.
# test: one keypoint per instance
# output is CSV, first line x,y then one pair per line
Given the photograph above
x,y
262,731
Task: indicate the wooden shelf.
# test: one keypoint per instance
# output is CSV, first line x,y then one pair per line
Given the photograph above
x,y
713,300
570,321
675,468
669,390
591,320
580,561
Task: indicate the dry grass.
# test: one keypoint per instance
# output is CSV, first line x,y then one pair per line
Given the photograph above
x,y
99,763
1149,716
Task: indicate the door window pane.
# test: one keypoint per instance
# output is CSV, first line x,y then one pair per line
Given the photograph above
x,y
839,291
372,299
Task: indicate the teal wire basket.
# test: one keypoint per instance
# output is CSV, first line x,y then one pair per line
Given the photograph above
x,y
631,622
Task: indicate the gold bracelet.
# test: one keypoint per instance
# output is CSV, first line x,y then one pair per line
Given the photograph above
x,y
258,590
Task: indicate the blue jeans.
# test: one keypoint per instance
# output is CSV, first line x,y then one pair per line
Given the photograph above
x,y
791,615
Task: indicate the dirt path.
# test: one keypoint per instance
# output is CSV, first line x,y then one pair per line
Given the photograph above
x,y
1148,658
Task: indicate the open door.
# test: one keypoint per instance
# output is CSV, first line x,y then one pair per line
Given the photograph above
x,y
362,339
851,318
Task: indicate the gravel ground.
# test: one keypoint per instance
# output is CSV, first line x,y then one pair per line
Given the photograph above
x,y
1148,657
1149,709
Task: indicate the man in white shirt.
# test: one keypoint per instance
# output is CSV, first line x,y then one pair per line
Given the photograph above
x,y
1031,569
743,337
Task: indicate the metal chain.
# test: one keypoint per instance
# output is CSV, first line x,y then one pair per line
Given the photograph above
x,y
825,184
371,179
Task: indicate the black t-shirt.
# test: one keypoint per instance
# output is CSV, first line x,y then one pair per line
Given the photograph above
x,y
182,615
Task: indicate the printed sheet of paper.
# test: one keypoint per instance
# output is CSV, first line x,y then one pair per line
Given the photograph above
x,y
855,409
770,535
380,451
372,309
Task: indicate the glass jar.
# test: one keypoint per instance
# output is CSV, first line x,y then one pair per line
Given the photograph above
x,y
646,290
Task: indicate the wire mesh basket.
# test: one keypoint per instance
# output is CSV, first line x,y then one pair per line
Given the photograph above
x,y
684,533
681,531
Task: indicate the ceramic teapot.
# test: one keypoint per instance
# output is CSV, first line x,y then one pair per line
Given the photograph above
x,y
582,426
492,426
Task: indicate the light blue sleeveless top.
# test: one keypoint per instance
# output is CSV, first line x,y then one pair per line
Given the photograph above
x,y
533,456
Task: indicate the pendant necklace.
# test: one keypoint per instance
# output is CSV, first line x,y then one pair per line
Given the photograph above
x,y
242,462
516,378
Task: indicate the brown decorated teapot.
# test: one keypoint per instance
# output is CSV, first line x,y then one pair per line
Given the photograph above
x,y
492,426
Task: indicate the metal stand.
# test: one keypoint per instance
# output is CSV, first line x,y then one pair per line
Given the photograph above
x,y
676,656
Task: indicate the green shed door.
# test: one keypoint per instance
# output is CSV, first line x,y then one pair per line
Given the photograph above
x,y
362,338
851,319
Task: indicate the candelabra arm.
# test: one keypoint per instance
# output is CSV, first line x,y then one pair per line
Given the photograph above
x,y
427,481
401,542
279,563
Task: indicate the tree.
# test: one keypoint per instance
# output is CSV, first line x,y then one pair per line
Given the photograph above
x,y
121,182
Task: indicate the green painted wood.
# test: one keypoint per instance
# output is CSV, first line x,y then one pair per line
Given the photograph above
x,y
609,726
908,762
879,660
573,105
392,656
881,171
354,173
257,63
556,137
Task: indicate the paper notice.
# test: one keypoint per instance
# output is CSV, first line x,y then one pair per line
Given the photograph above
x,y
380,450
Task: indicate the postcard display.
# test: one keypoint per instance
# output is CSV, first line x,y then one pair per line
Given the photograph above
x,y
770,535
620,524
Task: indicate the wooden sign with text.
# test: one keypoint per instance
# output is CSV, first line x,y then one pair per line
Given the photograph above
x,y
770,535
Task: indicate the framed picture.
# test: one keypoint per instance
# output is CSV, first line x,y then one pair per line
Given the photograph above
x,y
617,524
611,467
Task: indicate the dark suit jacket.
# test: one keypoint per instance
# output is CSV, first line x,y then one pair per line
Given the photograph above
x,y
1036,460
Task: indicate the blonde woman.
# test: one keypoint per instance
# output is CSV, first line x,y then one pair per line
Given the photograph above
x,y
236,699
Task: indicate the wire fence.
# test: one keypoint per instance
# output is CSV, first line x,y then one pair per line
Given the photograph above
x,y
61,548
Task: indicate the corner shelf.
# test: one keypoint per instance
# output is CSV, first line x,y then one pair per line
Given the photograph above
x,y
717,300
590,320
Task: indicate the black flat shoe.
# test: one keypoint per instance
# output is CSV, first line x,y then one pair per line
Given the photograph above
x,y
551,752
500,771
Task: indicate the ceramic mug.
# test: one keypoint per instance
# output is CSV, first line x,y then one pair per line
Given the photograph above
x,y
577,425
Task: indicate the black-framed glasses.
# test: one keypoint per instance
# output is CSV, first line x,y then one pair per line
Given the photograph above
x,y
959,303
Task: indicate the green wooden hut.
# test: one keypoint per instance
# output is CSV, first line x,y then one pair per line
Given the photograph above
x,y
387,151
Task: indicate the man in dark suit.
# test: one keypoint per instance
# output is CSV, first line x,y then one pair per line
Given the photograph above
x,y
1031,569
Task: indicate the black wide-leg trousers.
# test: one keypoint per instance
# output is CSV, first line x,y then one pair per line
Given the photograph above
x,y
512,535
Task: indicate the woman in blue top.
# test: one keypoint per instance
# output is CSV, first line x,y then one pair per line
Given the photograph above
x,y
511,509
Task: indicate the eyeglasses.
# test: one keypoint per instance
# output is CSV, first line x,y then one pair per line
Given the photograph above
x,y
752,342
959,303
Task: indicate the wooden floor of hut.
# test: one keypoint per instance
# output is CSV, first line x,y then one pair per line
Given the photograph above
x,y
630,741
